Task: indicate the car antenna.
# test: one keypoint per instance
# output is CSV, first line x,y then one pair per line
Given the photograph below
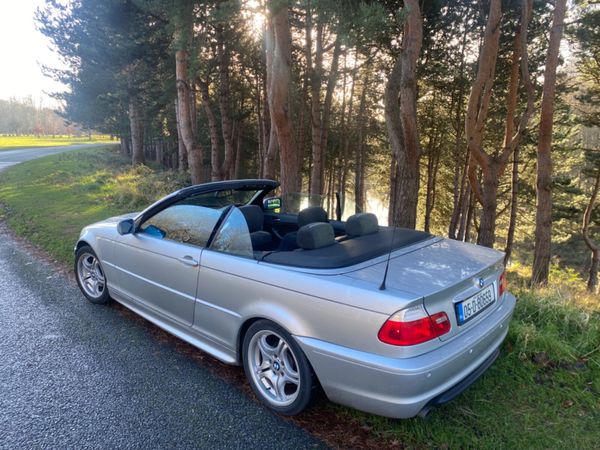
x,y
387,264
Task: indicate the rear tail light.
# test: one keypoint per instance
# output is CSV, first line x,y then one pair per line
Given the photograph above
x,y
502,284
413,326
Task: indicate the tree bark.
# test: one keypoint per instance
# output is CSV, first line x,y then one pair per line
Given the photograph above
x,y
433,159
460,170
543,217
400,100
592,283
182,156
137,133
477,112
359,169
224,104
320,113
215,160
514,207
124,146
493,166
279,98
194,149
272,147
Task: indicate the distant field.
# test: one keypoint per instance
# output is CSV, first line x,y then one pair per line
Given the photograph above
x,y
14,142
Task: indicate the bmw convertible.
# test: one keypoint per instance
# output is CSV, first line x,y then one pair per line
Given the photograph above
x,y
386,320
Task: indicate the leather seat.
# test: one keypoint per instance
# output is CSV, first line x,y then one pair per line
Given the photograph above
x,y
261,240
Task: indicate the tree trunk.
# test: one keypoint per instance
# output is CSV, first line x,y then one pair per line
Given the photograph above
x,y
315,74
487,227
468,222
514,207
359,169
477,112
137,134
124,146
272,147
260,126
492,167
237,134
181,151
215,160
224,104
592,284
543,217
194,149
320,116
279,98
346,129
433,158
401,120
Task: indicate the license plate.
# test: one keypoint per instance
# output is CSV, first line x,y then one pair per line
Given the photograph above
x,y
469,308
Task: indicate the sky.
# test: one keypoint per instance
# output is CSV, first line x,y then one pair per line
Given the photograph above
x,y
23,50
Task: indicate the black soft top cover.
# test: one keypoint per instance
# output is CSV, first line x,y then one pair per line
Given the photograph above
x,y
350,251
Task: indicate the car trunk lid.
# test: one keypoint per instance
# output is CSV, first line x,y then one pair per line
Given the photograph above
x,y
443,274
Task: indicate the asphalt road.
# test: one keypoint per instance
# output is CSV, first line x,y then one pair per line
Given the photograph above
x,y
77,375
11,157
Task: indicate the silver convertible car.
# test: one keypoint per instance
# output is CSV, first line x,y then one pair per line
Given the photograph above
x,y
386,320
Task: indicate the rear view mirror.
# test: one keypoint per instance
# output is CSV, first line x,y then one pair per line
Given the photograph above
x,y
125,226
272,204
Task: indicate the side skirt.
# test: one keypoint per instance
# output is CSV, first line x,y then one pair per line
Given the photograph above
x,y
186,334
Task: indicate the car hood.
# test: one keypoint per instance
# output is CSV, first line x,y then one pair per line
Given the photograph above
x,y
117,219
111,221
432,268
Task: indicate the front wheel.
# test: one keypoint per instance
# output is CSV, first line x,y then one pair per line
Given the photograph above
x,y
90,276
279,373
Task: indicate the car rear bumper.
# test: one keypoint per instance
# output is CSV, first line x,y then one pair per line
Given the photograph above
x,y
402,388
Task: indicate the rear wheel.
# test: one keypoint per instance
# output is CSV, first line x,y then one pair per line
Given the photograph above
x,y
90,276
279,373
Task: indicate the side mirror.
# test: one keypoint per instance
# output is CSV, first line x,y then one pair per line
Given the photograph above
x,y
125,226
272,204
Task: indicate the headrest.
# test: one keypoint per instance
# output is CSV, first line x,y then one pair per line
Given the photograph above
x,y
315,235
361,223
254,217
311,214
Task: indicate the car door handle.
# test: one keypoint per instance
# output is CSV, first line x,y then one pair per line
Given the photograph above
x,y
188,261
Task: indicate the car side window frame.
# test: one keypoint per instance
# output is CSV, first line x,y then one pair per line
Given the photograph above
x,y
143,220
217,232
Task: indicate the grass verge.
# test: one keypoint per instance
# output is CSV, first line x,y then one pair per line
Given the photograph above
x,y
15,142
48,200
543,391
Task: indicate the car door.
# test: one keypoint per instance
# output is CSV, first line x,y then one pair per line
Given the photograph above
x,y
219,292
158,264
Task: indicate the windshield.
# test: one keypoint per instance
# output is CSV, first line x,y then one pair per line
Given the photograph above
x,y
222,198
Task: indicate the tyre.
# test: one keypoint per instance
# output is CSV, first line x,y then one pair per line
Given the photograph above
x,y
90,276
279,373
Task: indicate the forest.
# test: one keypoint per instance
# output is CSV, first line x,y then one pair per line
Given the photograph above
x,y
20,117
477,120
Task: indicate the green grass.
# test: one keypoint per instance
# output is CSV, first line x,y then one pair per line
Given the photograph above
x,y
15,142
543,391
49,200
